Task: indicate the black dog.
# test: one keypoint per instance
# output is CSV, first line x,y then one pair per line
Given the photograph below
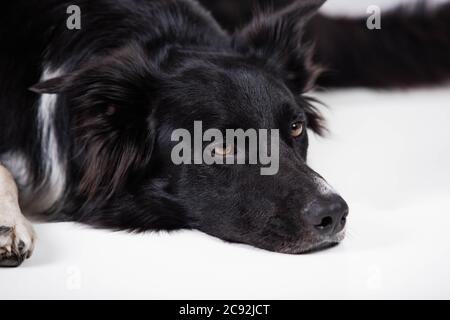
x,y
87,116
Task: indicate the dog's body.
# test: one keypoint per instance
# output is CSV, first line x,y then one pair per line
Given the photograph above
x,y
36,142
89,142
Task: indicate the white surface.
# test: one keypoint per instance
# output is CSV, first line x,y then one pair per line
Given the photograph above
x,y
388,154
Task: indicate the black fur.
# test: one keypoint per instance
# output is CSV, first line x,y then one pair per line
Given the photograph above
x,y
136,71
411,49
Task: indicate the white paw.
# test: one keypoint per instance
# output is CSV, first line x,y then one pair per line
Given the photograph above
x,y
17,240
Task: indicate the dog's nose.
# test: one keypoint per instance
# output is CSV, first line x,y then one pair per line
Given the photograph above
x,y
326,216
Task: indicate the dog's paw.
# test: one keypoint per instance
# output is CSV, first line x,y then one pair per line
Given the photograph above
x,y
16,242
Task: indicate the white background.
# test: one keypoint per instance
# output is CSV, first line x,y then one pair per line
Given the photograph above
x,y
387,153
359,7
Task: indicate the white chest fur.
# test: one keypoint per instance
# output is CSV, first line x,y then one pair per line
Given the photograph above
x,y
41,197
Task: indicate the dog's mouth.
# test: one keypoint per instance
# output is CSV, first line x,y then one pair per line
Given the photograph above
x,y
318,245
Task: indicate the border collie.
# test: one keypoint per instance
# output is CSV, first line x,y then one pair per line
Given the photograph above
x,y
87,115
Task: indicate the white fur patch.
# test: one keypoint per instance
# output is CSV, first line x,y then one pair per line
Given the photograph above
x,y
40,198
54,184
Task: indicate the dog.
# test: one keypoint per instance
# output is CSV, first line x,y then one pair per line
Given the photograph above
x,y
87,115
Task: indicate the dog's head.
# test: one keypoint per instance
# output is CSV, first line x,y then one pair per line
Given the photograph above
x,y
126,110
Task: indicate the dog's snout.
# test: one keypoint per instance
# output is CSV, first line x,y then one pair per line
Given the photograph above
x,y
326,216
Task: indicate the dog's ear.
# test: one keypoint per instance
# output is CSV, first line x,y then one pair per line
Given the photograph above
x,y
54,85
110,105
277,39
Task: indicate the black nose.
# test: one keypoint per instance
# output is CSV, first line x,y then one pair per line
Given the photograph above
x,y
326,216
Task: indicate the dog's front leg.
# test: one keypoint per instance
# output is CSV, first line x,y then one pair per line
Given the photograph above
x,y
16,232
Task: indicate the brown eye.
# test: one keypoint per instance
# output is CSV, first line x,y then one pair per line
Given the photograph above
x,y
297,129
220,151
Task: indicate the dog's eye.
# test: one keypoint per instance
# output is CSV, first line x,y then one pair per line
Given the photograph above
x,y
221,151
297,129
